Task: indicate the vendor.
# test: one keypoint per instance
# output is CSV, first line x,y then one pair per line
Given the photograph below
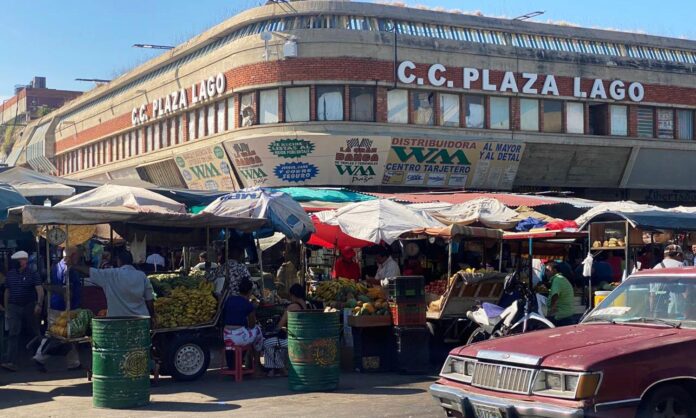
x,y
561,294
346,266
386,266
412,267
240,322
203,263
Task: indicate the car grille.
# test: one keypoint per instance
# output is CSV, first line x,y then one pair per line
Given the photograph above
x,y
502,378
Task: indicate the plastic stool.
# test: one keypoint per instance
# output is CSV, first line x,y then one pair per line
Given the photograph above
x,y
239,352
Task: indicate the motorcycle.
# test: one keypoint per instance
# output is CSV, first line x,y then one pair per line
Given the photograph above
x,y
524,314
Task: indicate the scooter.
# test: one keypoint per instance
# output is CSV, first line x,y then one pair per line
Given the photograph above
x,y
525,314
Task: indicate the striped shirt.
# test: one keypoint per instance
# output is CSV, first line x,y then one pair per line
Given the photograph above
x,y
21,285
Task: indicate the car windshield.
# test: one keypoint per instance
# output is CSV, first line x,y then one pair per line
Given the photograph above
x,y
659,300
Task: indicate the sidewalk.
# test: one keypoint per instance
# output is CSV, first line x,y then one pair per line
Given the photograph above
x,y
68,394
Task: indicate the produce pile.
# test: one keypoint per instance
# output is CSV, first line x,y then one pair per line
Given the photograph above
x,y
164,283
346,293
437,287
183,300
79,321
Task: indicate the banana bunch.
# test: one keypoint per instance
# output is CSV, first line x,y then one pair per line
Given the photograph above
x,y
339,290
186,307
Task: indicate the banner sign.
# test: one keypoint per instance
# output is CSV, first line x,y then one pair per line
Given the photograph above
x,y
206,168
452,163
309,160
330,160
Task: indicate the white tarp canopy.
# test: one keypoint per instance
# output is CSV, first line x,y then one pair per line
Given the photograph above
x,y
622,206
487,211
30,183
279,209
378,220
133,198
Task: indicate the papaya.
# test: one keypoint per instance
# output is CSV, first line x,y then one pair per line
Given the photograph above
x,y
369,308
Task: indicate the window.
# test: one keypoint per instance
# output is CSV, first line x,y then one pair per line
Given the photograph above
x,y
619,120
200,124
165,134
397,106
475,111
423,107
156,139
230,113
268,106
575,118
686,124
191,123
330,102
180,130
136,149
172,132
598,116
500,112
553,116
665,123
449,109
297,104
529,114
362,104
247,109
646,124
210,125
220,123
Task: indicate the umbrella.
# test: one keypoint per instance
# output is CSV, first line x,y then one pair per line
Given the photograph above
x,y
9,197
115,196
331,236
378,220
279,209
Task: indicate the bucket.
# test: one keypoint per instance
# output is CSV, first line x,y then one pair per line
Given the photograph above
x,y
313,350
600,295
120,362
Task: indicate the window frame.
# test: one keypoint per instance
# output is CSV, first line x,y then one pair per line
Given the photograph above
x,y
351,112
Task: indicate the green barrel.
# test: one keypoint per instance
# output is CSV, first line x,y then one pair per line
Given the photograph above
x,y
120,362
313,350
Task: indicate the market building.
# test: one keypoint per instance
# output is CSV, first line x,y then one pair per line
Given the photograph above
x,y
332,93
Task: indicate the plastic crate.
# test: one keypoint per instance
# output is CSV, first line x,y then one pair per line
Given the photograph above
x,y
412,350
407,289
408,313
372,349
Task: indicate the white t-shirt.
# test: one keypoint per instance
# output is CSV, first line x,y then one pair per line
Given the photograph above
x,y
677,302
126,290
669,263
388,269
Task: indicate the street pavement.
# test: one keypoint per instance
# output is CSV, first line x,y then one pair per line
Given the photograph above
x,y
29,393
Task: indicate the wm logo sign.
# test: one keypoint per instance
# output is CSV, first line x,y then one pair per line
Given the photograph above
x,y
430,155
355,170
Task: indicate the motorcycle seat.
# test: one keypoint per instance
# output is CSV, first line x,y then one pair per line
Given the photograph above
x,y
492,310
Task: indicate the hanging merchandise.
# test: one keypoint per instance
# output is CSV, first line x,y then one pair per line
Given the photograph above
x,y
138,249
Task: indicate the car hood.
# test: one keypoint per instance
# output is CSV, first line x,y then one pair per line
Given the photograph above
x,y
581,347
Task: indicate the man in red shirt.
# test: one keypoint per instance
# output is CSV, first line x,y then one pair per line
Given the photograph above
x,y
346,266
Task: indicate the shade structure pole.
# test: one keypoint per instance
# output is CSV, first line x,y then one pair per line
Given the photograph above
x,y
48,274
259,254
500,255
531,265
67,297
449,259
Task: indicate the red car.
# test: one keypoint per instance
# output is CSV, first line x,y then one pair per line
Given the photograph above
x,y
634,355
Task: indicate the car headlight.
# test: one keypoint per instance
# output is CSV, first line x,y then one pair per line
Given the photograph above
x,y
566,384
459,368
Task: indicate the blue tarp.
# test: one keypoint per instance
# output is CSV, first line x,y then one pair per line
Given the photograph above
x,y
9,198
306,194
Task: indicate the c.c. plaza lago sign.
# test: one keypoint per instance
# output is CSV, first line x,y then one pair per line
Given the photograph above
x,y
526,83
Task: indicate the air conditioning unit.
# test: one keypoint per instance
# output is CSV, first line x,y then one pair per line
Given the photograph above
x,y
290,48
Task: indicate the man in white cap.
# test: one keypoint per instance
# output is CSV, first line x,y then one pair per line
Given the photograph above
x,y
24,302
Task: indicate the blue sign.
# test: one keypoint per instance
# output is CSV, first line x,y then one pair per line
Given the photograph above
x,y
295,172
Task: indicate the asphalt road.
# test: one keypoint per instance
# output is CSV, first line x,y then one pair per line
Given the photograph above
x,y
68,394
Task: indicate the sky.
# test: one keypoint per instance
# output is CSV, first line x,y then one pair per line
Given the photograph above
x,y
68,39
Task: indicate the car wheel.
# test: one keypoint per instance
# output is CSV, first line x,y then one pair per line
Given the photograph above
x,y
670,401
188,359
478,335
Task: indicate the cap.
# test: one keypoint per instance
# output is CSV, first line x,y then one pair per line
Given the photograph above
x,y
673,249
20,255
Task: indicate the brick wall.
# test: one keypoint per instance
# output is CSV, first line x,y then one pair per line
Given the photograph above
x,y
362,69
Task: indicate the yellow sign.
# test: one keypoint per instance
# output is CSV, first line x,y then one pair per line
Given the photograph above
x,y
206,168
